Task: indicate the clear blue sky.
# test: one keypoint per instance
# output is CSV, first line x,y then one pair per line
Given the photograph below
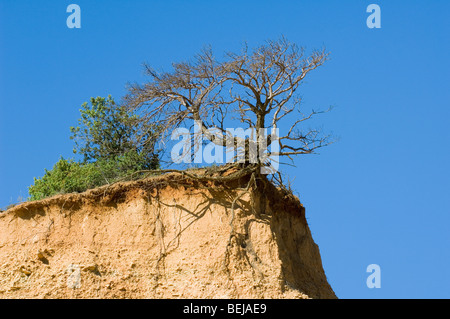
x,y
380,195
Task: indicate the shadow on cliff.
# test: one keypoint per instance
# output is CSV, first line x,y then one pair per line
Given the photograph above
x,y
301,264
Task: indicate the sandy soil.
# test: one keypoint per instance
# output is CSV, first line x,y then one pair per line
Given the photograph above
x,y
162,237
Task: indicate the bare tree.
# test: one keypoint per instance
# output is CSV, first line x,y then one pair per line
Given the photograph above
x,y
256,87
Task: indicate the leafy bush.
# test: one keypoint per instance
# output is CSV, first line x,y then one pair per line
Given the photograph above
x,y
69,176
66,176
113,144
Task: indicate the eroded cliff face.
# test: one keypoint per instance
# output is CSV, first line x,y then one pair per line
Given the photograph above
x,y
163,237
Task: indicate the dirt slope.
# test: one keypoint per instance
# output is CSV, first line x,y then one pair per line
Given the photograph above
x,y
163,237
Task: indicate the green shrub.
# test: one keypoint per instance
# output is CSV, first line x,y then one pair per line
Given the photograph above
x,y
114,144
69,176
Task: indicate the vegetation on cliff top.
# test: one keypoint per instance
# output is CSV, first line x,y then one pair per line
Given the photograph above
x,y
253,90
113,145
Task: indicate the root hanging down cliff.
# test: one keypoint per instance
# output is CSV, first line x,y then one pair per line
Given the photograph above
x,y
167,236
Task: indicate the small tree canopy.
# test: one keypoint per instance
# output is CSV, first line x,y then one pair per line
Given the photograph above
x,y
107,130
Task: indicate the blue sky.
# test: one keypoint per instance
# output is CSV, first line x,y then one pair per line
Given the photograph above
x,y
380,195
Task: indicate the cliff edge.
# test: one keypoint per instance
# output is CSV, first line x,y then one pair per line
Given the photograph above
x,y
162,237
